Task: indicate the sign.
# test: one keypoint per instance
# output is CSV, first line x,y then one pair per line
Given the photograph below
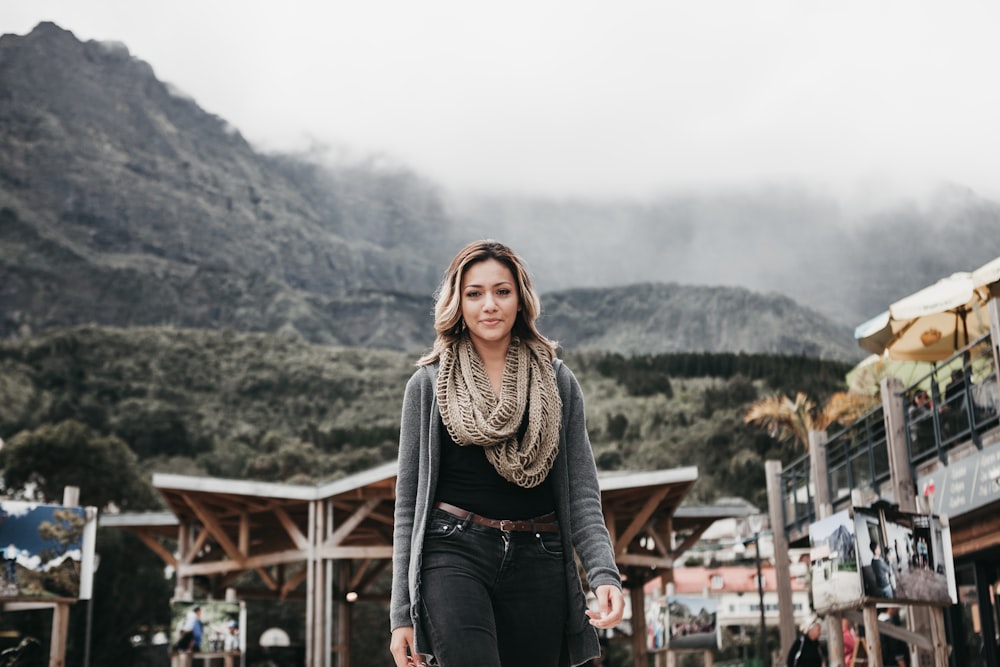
x,y
47,551
964,485
880,555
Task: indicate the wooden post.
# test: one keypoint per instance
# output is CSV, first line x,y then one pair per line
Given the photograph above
x,y
926,621
311,586
873,641
640,656
824,508
60,612
993,308
782,573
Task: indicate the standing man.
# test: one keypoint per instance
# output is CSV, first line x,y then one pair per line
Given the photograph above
x,y
191,632
10,553
882,572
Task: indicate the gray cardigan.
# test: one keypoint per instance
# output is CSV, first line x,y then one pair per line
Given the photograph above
x,y
578,506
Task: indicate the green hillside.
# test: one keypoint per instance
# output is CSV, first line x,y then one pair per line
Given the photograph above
x,y
274,408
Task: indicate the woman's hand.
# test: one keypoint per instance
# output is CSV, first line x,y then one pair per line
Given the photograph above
x,y
611,606
401,646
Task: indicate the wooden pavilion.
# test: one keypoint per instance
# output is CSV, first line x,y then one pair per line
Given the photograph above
x,y
328,542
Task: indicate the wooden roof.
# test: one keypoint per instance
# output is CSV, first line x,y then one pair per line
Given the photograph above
x,y
241,525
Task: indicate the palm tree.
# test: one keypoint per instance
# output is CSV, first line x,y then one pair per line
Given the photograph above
x,y
787,419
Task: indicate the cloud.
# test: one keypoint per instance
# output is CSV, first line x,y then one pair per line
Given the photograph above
x,y
588,99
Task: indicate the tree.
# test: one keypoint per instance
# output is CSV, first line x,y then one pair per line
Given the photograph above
x,y
70,453
787,419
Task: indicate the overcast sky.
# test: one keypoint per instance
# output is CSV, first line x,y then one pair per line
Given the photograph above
x,y
605,99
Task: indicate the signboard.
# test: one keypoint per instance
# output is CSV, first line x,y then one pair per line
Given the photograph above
x,y
965,484
906,558
833,554
880,555
682,623
47,551
210,626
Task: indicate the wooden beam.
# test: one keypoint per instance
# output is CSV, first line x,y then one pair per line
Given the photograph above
x,y
341,553
195,547
154,544
300,540
220,566
294,582
345,528
371,574
690,540
662,547
266,578
244,537
359,575
212,525
639,519
644,561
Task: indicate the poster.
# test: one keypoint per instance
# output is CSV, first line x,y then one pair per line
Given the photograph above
x,y
880,555
836,583
692,623
208,626
47,550
906,558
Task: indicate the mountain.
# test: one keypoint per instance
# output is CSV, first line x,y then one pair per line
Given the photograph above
x,y
665,318
123,203
841,542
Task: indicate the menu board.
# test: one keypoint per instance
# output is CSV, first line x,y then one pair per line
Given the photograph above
x,y
965,484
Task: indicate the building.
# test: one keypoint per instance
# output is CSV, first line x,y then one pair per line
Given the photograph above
x,y
931,445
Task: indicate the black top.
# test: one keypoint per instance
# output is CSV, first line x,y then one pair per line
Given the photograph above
x,y
468,480
805,652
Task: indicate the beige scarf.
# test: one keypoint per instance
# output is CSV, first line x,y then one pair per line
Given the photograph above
x,y
474,416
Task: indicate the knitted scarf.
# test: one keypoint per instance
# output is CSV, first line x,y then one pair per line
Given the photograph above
x,y
474,416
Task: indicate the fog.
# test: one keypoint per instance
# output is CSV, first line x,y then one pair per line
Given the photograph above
x,y
846,263
636,99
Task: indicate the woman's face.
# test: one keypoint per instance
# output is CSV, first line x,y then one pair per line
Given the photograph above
x,y
489,302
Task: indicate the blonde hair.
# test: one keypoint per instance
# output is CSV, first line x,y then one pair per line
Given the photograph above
x,y
448,321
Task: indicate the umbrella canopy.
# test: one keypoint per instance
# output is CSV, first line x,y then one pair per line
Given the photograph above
x,y
934,323
865,377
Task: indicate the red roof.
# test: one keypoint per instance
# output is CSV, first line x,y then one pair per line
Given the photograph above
x,y
735,579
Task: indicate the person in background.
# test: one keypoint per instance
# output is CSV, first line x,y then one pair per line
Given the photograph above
x,y
10,554
922,404
232,640
805,651
919,418
894,651
850,639
496,490
191,631
882,572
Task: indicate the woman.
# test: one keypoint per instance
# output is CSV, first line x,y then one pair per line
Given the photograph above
x,y
805,651
496,487
850,639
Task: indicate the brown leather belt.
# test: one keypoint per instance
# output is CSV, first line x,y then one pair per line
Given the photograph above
x,y
541,524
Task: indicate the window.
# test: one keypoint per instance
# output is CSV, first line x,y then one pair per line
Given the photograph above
x,y
716,582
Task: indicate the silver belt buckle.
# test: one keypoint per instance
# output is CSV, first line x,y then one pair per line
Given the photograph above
x,y
506,525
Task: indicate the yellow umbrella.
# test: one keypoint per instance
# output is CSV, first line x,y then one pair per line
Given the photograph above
x,y
864,378
934,323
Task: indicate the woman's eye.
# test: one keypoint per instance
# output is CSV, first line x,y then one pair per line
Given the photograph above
x,y
503,292
472,294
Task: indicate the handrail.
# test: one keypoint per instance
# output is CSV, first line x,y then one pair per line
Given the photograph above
x,y
857,456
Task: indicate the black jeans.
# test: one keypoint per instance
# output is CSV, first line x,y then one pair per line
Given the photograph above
x,y
492,599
